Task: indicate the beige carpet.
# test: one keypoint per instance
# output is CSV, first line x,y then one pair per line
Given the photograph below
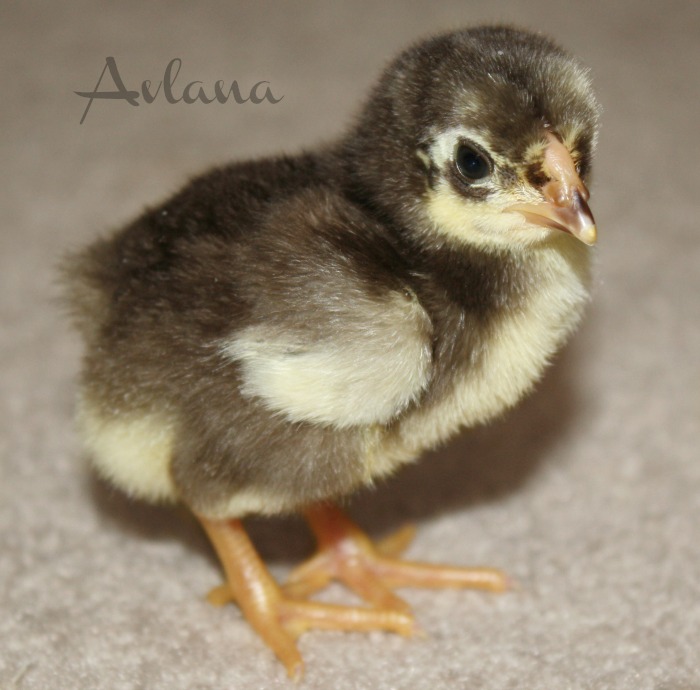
x,y
588,494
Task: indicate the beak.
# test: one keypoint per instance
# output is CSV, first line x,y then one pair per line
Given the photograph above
x,y
565,204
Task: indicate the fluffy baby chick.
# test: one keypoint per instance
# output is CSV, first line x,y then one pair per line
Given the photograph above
x,y
286,330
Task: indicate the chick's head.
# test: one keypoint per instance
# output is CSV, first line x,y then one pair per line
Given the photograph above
x,y
481,137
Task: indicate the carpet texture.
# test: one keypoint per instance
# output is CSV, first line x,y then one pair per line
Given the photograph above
x,y
588,494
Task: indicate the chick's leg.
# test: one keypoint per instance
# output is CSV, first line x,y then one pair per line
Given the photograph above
x,y
277,618
346,553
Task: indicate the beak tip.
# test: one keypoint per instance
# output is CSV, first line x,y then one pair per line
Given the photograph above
x,y
588,235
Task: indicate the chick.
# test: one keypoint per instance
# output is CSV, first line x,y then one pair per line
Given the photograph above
x,y
286,330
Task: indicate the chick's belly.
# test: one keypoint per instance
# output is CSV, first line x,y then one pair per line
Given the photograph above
x,y
428,427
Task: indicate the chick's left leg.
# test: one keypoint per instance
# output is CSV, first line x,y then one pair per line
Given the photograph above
x,y
277,618
372,571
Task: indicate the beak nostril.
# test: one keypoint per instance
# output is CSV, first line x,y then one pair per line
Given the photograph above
x,y
557,194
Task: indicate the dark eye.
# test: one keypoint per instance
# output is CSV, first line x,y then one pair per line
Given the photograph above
x,y
471,164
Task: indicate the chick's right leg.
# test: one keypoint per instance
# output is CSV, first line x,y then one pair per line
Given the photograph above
x,y
371,570
278,619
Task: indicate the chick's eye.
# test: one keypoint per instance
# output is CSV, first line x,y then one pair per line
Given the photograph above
x,y
471,164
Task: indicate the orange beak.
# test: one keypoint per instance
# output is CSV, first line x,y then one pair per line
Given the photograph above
x,y
565,204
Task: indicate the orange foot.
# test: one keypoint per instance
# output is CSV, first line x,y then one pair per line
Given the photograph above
x,y
278,618
346,553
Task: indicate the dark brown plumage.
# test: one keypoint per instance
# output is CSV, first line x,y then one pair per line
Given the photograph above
x,y
283,331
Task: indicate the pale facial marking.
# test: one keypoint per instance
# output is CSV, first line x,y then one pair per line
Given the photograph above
x,y
444,143
478,224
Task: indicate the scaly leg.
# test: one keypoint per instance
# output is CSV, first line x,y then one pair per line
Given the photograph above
x,y
277,618
346,553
